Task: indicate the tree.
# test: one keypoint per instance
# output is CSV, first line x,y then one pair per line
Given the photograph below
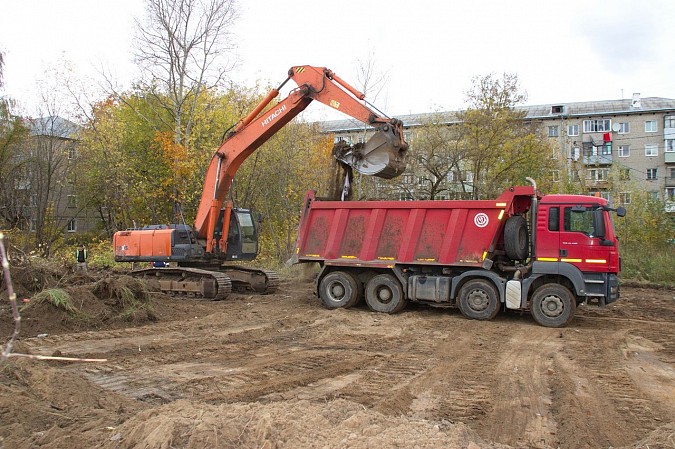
x,y
182,48
501,147
130,167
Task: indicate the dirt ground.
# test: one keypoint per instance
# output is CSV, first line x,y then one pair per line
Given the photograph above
x,y
280,371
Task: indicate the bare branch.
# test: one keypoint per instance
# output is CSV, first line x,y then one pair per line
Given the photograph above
x,y
7,350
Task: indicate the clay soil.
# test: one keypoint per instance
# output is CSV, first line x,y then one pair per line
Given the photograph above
x,y
281,371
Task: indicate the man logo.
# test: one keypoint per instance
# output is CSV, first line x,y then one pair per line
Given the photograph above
x,y
481,220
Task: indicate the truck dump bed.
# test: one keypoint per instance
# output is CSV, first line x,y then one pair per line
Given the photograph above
x,y
383,233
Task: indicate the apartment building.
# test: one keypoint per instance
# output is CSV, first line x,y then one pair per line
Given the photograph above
x,y
597,143
44,189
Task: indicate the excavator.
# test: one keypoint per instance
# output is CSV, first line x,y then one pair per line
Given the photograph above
x,y
197,260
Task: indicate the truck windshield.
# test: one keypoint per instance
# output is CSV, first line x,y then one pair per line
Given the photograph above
x,y
246,226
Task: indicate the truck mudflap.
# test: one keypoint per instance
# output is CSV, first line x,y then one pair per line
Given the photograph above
x,y
613,288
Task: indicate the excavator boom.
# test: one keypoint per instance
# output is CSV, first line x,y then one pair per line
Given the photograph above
x,y
384,155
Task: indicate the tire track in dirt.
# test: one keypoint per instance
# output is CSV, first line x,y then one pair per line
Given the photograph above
x,y
598,402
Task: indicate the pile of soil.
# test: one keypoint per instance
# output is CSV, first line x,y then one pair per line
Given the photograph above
x,y
99,300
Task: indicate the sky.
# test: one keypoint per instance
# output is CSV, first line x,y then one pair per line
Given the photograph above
x,y
427,51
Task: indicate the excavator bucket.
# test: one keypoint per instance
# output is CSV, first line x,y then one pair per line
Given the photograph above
x,y
383,155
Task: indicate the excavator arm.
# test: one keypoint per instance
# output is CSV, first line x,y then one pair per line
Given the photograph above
x,y
383,155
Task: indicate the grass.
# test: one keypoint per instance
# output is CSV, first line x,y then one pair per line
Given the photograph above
x,y
652,265
56,297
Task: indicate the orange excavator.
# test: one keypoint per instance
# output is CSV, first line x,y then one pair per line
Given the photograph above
x,y
199,255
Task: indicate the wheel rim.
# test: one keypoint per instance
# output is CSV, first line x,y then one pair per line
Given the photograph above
x,y
384,295
336,291
478,300
552,306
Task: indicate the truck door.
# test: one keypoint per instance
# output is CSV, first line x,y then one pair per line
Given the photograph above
x,y
581,238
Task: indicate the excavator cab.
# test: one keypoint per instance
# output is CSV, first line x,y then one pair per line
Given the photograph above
x,y
242,237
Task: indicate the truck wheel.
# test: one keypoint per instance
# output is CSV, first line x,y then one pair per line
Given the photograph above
x,y
516,238
553,305
478,300
384,293
339,289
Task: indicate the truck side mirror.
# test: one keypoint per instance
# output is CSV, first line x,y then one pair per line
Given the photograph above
x,y
620,211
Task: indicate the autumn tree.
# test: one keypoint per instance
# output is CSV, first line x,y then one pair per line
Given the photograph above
x,y
501,147
183,47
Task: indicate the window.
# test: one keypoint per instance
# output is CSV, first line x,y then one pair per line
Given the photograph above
x,y
672,173
669,121
555,175
606,149
650,126
576,152
578,221
670,194
553,131
573,130
624,150
651,174
624,197
72,153
624,174
597,126
654,196
72,225
651,150
624,128
558,109
347,139
670,146
598,174
554,219
72,201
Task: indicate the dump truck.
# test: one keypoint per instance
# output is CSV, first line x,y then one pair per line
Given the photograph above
x,y
523,251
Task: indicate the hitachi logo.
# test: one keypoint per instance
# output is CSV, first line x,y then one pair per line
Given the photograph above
x,y
273,115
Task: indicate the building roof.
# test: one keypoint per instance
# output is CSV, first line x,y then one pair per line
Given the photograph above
x,y
53,126
533,112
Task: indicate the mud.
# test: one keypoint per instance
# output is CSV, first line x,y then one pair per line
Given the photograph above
x,y
280,371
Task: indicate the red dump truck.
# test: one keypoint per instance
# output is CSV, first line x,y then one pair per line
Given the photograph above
x,y
522,251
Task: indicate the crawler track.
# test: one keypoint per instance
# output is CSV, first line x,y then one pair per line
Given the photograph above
x,y
189,282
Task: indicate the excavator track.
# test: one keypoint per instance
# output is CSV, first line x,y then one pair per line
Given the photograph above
x,y
190,283
245,278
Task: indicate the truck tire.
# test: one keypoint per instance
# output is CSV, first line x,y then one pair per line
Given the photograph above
x,y
478,300
553,305
384,293
516,238
340,289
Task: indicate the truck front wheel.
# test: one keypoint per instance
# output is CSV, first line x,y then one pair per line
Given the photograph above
x,y
384,293
340,289
478,300
553,305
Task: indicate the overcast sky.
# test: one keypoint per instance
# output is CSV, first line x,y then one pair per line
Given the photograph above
x,y
429,50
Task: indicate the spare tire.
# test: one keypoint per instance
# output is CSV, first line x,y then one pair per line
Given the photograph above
x,y
516,238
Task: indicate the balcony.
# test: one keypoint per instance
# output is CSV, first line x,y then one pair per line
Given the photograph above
x,y
670,182
670,206
670,157
598,159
